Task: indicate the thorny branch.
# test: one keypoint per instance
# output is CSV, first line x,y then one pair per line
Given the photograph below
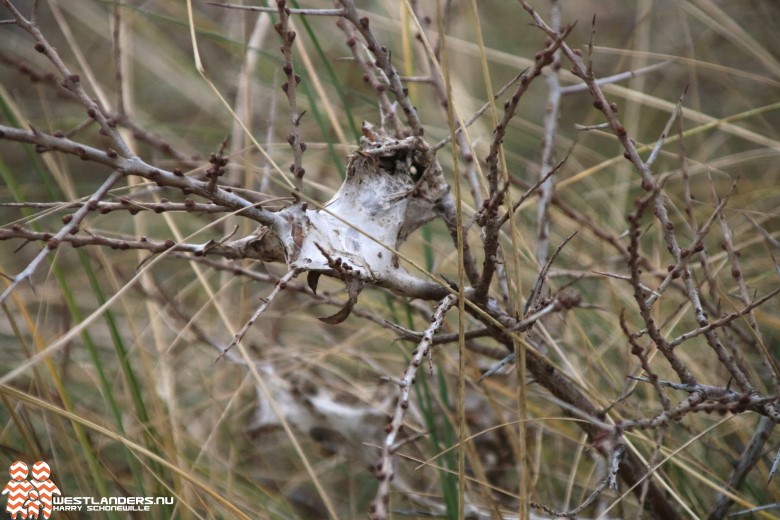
x,y
385,470
402,171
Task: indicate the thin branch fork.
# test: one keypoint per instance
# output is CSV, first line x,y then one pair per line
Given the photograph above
x,y
490,241
585,72
243,248
266,302
71,226
136,166
72,82
383,62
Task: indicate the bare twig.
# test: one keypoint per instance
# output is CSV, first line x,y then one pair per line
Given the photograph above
x,y
280,286
135,166
750,457
369,76
384,469
290,10
71,226
548,142
383,62
290,88
581,87
491,222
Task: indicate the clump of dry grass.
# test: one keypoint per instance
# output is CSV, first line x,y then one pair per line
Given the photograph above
x,y
590,327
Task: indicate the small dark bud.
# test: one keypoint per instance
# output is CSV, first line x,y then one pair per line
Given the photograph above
x,y
647,185
290,138
154,174
169,243
351,41
213,158
304,206
297,79
669,268
388,428
59,134
189,203
290,36
177,172
105,211
279,27
40,47
74,231
699,247
67,218
303,147
285,87
112,123
159,209
92,205
735,272
685,252
364,22
669,226
52,243
627,155
621,131
577,52
614,107
111,153
74,78
39,148
675,274
287,68
91,112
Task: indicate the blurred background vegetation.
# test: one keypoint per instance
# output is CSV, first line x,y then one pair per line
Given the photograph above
x,y
151,407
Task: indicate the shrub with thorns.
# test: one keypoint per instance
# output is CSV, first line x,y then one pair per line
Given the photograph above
x,y
394,184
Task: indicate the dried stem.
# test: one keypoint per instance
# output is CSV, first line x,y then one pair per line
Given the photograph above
x,y
382,55
266,302
290,88
71,227
384,468
551,114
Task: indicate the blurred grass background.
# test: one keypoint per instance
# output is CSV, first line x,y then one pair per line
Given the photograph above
x,y
144,369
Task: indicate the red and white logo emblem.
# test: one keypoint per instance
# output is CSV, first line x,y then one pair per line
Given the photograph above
x,y
33,498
